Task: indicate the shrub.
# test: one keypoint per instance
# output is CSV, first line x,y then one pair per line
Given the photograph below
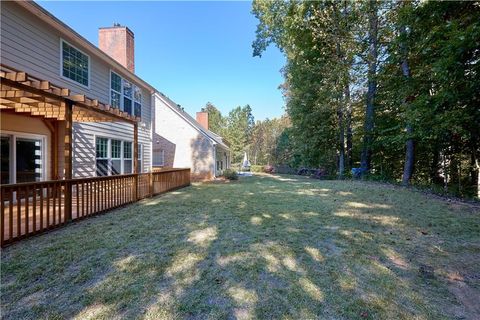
x,y
256,168
230,174
268,169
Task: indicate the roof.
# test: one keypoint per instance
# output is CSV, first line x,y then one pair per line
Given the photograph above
x,y
57,24
194,123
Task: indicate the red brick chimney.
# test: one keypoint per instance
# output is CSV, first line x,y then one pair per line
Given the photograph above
x,y
118,43
202,118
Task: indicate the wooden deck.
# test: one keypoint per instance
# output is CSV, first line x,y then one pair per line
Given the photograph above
x,y
32,208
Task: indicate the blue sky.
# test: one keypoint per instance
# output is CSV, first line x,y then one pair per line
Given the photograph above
x,y
193,52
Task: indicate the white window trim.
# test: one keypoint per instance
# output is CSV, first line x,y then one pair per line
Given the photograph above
x,y
13,145
61,65
122,158
122,95
121,89
126,159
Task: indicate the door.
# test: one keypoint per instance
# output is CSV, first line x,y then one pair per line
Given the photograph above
x,y
5,159
28,159
21,158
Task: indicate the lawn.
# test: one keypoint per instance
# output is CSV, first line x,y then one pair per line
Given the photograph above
x,y
263,247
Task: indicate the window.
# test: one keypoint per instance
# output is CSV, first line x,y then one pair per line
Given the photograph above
x,y
114,156
75,64
102,156
158,157
138,102
127,157
22,158
140,156
127,97
124,95
116,149
116,90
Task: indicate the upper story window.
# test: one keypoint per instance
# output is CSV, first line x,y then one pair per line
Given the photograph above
x,y
137,98
124,95
75,64
116,90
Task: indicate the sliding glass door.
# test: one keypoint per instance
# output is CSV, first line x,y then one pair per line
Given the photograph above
x,y
28,160
21,158
5,159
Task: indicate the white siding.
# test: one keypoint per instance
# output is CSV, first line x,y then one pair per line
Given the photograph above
x,y
28,44
192,149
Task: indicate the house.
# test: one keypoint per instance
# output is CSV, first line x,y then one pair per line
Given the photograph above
x,y
179,140
62,95
49,65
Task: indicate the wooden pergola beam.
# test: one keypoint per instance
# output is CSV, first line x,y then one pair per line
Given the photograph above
x,y
29,94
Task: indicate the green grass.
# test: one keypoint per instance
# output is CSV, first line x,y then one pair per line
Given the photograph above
x,y
262,247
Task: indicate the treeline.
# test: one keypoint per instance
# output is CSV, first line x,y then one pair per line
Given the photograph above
x,y
266,142
391,88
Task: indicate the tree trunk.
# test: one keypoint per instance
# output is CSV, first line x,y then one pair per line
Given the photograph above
x,y
340,100
435,166
410,143
341,142
372,86
477,164
409,158
349,126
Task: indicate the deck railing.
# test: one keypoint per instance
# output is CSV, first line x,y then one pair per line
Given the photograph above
x,y
31,208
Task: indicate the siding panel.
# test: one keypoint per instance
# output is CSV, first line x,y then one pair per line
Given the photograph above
x,y
30,45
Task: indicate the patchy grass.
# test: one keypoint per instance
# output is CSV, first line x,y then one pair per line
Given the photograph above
x,y
262,247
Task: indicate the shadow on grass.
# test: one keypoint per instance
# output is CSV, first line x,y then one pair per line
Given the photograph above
x,y
262,247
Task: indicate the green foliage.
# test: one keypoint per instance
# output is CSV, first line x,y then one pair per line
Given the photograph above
x,y
329,67
238,131
256,168
216,122
266,137
230,174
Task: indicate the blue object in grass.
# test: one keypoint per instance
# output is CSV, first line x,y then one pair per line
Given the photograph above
x,y
358,172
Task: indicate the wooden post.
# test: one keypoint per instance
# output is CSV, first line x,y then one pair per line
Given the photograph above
x,y
68,159
55,139
135,160
150,181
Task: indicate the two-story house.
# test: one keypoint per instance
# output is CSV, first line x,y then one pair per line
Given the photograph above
x,y
61,93
37,46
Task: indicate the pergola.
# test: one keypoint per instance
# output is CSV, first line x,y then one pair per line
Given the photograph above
x,y
22,93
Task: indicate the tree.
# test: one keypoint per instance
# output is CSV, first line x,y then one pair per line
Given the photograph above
x,y
317,40
410,143
238,131
372,84
265,140
393,86
216,122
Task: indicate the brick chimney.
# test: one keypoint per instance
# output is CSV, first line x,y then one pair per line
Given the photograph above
x,y
202,118
118,43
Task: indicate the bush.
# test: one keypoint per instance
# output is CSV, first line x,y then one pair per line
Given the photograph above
x,y
230,174
268,169
256,168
